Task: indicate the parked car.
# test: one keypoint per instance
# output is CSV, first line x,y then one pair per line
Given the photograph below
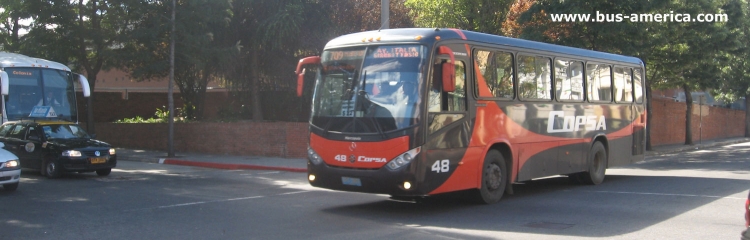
x,y
54,147
10,170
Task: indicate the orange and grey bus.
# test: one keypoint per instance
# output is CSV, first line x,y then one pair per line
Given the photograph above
x,y
419,112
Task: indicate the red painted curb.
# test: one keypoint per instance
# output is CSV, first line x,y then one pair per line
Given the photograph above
x,y
230,166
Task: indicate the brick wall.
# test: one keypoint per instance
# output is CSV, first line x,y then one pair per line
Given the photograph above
x,y
289,139
668,123
273,139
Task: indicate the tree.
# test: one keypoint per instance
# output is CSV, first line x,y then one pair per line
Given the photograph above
x,y
474,15
12,26
735,81
199,55
685,55
693,54
83,33
349,16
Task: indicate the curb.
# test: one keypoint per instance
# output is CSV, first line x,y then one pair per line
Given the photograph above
x,y
227,166
696,147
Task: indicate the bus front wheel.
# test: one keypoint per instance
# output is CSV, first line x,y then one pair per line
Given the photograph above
x,y
494,178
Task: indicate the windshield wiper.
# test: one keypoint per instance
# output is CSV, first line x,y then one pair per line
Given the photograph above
x,y
370,110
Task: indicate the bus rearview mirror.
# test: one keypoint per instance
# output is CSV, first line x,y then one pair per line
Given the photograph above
x,y
4,83
301,72
84,85
448,69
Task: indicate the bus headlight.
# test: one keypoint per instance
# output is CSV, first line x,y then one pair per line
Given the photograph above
x,y
403,159
313,156
71,153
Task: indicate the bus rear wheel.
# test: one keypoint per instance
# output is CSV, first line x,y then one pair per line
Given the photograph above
x,y
494,178
597,161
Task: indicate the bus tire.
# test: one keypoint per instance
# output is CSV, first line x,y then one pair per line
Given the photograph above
x,y
494,178
597,162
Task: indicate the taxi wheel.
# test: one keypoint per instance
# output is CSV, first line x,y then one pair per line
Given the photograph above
x,y
52,169
103,172
10,187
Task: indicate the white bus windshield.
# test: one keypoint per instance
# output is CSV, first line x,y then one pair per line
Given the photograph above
x,y
30,87
372,89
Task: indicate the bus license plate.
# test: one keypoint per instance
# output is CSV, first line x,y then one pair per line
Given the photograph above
x,y
351,181
98,160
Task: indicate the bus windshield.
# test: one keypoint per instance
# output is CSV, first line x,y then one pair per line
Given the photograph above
x,y
372,89
30,87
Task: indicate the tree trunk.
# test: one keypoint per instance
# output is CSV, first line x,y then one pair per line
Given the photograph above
x,y
688,115
90,104
747,115
649,116
255,90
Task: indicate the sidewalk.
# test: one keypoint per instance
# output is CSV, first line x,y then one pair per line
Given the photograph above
x,y
300,165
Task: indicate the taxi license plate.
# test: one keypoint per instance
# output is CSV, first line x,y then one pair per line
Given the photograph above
x,y
98,160
351,181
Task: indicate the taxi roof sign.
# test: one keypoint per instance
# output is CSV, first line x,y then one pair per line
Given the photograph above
x,y
43,112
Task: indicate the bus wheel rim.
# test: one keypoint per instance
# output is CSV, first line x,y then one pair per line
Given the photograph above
x,y
494,177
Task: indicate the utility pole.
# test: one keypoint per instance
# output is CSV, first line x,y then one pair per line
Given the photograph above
x,y
170,91
384,14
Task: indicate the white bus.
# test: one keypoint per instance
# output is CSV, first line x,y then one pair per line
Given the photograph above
x,y
28,82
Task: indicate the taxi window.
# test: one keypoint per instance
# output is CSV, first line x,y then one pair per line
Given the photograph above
x,y
4,129
32,132
18,132
64,132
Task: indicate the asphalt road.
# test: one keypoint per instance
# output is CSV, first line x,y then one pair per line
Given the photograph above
x,y
690,195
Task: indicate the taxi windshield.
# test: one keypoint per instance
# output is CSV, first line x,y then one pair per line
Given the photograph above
x,y
63,131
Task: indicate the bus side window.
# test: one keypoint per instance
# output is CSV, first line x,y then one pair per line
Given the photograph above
x,y
569,80
496,70
637,85
534,78
457,99
599,82
623,85
440,101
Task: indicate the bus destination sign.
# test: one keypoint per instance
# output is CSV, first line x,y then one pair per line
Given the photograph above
x,y
345,55
19,73
396,52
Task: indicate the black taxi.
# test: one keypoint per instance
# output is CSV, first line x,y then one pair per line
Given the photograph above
x,y
54,147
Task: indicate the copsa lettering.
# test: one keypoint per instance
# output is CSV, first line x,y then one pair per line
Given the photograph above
x,y
574,123
369,159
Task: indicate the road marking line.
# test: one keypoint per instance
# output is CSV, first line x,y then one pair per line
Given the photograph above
x,y
214,201
666,194
290,193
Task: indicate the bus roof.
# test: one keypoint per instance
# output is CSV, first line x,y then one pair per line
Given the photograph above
x,y
428,35
17,60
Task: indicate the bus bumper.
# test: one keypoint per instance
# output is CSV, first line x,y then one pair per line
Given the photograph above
x,y
378,181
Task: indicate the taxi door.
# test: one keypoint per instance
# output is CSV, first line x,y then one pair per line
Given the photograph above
x,y
27,150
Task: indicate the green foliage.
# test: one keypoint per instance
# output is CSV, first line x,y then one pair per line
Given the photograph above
x,y
475,15
160,116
